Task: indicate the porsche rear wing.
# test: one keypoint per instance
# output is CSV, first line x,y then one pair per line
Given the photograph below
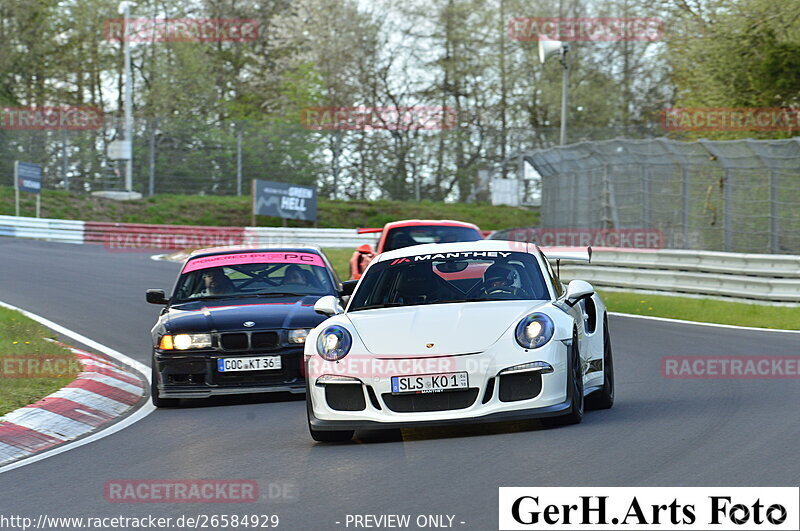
x,y
578,254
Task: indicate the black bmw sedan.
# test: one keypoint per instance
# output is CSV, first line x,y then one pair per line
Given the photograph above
x,y
236,322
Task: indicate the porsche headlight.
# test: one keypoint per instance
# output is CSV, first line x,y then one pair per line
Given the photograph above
x,y
185,341
535,330
334,343
298,336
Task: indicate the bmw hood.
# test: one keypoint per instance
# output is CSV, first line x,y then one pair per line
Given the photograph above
x,y
456,328
231,314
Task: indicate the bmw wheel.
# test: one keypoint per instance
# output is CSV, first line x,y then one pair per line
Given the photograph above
x,y
158,401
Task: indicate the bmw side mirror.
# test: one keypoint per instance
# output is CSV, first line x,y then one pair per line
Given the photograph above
x,y
328,305
577,290
348,287
365,248
156,296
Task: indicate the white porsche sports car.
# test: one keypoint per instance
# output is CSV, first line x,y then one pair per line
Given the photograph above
x,y
458,333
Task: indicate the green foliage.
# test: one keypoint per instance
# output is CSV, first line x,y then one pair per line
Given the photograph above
x,y
703,310
737,54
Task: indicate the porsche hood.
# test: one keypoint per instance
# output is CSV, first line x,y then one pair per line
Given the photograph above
x,y
438,329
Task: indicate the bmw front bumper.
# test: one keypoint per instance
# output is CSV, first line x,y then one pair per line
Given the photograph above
x,y
195,375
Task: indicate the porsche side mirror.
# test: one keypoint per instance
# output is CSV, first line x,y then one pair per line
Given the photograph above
x,y
328,305
365,249
156,296
577,290
348,287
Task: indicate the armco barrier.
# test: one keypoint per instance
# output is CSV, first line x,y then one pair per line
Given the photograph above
x,y
755,277
59,230
141,236
120,236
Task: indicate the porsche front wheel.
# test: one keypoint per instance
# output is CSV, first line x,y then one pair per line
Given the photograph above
x,y
326,436
603,398
574,385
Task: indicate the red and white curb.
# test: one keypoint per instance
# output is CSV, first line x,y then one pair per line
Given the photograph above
x,y
100,394
86,410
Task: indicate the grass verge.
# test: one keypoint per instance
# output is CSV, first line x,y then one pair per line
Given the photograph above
x,y
234,211
30,367
703,310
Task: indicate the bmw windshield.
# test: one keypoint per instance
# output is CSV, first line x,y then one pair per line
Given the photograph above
x,y
451,277
272,274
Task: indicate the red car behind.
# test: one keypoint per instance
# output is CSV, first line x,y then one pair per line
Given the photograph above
x,y
399,234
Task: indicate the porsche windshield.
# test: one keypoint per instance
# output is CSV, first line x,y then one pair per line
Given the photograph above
x,y
253,280
451,277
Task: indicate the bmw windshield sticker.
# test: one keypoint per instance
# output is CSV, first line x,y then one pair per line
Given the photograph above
x,y
253,258
445,256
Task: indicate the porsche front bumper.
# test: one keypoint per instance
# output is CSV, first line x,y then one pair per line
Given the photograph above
x,y
343,398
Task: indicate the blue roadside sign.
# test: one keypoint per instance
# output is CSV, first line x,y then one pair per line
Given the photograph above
x,y
284,200
28,177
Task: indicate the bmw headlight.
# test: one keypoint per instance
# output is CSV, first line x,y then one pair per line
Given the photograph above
x,y
298,336
185,341
334,343
535,330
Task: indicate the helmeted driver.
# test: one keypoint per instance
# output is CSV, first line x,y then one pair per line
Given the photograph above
x,y
500,279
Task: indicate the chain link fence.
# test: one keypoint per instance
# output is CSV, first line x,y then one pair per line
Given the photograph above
x,y
171,156
180,155
737,196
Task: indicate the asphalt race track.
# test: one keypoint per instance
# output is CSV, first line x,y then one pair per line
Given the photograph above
x,y
660,433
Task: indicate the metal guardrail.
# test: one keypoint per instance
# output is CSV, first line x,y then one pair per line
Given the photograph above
x,y
142,236
59,230
330,238
750,277
764,265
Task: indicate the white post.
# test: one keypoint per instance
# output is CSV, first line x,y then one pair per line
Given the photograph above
x,y
564,94
128,104
239,160
16,187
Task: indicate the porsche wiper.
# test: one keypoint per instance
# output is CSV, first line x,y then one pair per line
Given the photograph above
x,y
244,296
383,305
464,300
276,294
